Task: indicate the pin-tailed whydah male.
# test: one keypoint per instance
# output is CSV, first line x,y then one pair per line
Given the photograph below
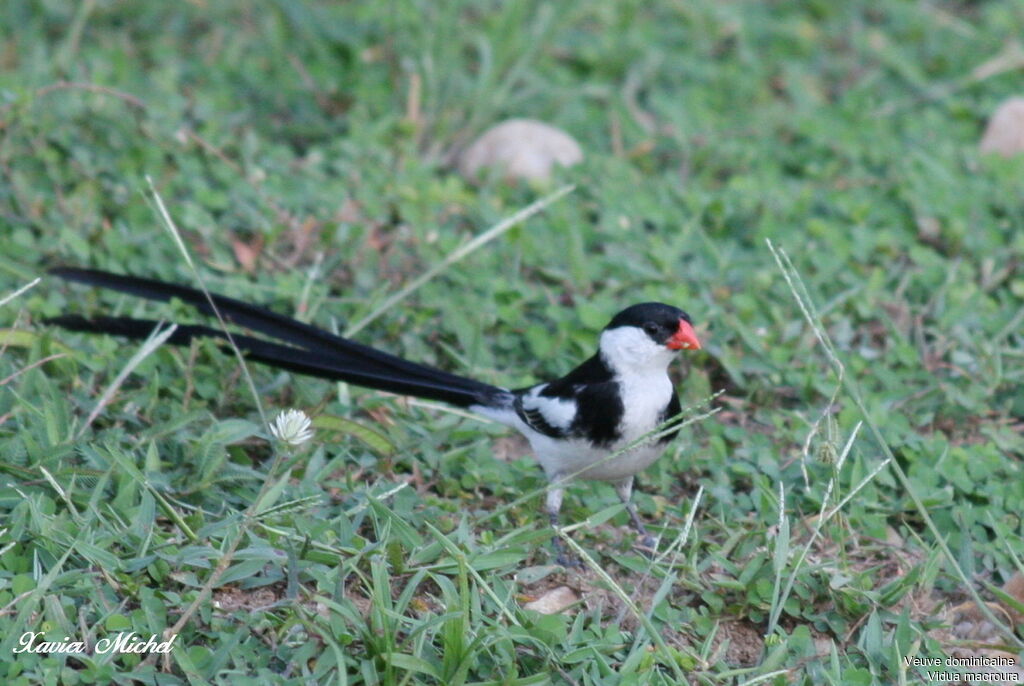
x,y
574,424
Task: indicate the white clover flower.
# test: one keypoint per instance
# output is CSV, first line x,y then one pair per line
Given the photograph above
x,y
292,427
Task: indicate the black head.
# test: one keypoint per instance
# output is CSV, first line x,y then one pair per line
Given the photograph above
x,y
664,324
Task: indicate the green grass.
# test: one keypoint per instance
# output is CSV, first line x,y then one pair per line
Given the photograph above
x,y
816,529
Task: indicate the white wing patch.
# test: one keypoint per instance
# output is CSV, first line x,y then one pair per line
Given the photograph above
x,y
555,412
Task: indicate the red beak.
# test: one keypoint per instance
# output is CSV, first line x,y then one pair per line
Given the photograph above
x,y
683,338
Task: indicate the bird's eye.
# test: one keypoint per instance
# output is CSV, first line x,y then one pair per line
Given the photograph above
x,y
651,328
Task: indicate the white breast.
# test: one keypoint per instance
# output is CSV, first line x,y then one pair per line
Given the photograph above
x,y
644,398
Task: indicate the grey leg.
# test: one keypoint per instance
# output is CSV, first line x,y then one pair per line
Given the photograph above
x,y
624,489
553,504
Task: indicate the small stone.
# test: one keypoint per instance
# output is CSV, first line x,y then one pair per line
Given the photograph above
x,y
520,149
1004,134
1015,589
555,600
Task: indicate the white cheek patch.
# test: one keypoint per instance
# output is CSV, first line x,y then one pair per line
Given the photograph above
x,y
628,347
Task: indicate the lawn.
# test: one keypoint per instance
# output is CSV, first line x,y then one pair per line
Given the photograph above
x,y
802,177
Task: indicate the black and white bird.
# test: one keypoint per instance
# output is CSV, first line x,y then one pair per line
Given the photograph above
x,y
575,424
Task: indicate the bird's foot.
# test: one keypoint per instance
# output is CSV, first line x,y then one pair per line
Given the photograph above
x,y
647,545
568,561
564,558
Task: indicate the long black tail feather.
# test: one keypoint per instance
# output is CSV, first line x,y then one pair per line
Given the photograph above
x,y
312,351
